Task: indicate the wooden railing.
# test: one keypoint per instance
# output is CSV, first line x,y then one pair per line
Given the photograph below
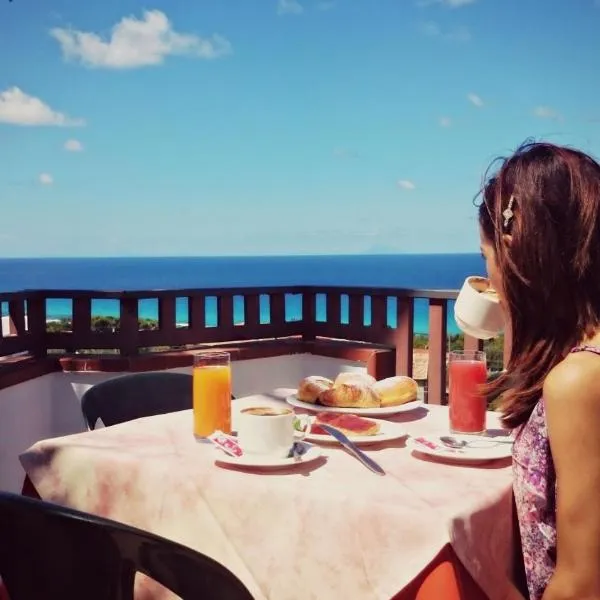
x,y
28,331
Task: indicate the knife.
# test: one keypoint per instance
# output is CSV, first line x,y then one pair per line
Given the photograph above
x,y
352,448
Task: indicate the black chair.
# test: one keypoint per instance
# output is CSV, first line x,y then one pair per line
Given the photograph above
x,y
49,551
136,395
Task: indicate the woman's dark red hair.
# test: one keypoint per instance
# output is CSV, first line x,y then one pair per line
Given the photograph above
x,y
549,257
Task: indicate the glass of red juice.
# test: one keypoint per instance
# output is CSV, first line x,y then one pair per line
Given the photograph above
x,y
467,371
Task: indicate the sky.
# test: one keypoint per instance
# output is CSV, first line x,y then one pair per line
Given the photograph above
x,y
260,127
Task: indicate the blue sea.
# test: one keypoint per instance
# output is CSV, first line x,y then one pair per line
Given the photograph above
x,y
421,271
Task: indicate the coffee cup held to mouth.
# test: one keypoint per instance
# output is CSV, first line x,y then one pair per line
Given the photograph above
x,y
477,310
266,430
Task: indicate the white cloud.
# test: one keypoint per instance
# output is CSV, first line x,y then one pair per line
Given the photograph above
x,y
137,43
73,146
546,112
458,3
456,34
406,184
46,179
475,100
289,7
449,3
445,122
19,108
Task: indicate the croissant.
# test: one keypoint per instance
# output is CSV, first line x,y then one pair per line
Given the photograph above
x,y
350,395
312,387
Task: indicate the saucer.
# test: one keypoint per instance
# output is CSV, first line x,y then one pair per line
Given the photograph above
x,y
265,461
481,449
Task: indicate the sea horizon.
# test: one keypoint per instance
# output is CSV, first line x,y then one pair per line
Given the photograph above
x,y
234,256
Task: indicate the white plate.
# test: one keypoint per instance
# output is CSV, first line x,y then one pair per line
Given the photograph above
x,y
388,431
482,449
268,462
373,412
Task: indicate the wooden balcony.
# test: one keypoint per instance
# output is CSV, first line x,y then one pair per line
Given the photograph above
x,y
356,319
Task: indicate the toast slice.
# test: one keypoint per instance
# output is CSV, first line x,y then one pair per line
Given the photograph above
x,y
351,425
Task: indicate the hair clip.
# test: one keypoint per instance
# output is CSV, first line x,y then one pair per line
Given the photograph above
x,y
508,213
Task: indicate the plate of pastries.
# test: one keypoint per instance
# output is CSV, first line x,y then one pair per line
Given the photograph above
x,y
358,393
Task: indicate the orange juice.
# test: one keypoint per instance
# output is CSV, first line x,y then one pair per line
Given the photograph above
x,y
212,399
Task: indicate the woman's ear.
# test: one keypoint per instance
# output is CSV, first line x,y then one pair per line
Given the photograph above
x,y
507,239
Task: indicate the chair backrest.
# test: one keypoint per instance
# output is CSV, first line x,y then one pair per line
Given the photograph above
x,y
136,395
49,551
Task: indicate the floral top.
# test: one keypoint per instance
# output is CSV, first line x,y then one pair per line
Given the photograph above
x,y
534,485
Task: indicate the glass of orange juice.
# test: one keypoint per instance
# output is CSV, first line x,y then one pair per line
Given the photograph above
x,y
211,393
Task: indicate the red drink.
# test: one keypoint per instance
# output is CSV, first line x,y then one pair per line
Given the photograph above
x,y
467,371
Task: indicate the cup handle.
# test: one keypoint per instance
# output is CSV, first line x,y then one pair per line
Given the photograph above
x,y
306,422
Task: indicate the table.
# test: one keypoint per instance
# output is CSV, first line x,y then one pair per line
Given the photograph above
x,y
325,531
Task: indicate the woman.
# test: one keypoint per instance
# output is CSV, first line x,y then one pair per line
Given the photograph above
x,y
540,237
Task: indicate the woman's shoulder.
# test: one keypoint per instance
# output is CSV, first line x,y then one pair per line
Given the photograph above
x,y
574,384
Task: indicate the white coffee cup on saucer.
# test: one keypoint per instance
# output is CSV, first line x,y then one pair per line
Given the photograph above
x,y
266,430
477,309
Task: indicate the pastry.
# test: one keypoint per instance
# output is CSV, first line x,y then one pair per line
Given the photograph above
x,y
312,387
397,390
359,377
350,395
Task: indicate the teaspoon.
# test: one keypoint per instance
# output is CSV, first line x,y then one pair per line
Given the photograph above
x,y
452,442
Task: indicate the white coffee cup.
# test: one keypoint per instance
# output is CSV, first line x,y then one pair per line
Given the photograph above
x,y
267,430
477,310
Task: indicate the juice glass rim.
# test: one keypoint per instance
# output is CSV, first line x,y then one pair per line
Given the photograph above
x,y
476,355
209,356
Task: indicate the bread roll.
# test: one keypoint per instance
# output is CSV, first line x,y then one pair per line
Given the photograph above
x,y
397,390
312,387
350,395
352,377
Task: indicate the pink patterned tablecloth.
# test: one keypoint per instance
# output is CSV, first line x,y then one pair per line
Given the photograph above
x,y
324,531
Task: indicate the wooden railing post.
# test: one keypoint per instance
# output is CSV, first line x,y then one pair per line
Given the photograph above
x,y
82,316
36,325
252,311
277,306
356,313
379,312
81,325
225,313
309,314
167,316
436,369
405,336
197,313
16,317
129,327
